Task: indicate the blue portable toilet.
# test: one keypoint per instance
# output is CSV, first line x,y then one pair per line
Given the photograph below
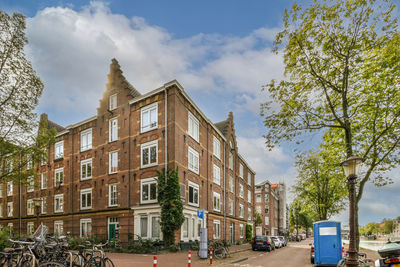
x,y
327,243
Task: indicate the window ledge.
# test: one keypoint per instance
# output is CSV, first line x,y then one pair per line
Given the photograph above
x,y
59,159
148,130
148,201
85,179
86,149
113,206
193,204
148,166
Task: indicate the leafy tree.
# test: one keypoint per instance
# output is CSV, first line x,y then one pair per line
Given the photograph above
x,y
298,216
20,89
342,66
249,232
387,227
171,205
319,184
370,229
258,219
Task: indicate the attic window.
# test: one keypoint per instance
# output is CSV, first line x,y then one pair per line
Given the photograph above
x,y
113,102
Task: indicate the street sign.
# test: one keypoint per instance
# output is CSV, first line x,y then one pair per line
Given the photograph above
x,y
200,213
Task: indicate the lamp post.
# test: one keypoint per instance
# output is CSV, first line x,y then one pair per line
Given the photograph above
x,y
351,167
37,202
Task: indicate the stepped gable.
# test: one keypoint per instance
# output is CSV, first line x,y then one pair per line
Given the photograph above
x,y
51,124
223,126
116,77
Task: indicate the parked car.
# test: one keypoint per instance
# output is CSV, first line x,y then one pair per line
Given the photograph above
x,y
276,241
261,243
283,241
312,253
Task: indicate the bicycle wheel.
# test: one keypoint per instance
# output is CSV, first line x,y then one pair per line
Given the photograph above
x,y
341,263
95,261
51,264
219,253
366,263
107,262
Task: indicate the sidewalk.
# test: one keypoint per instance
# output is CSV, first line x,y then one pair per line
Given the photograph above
x,y
171,259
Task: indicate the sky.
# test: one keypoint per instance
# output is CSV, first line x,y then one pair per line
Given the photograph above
x,y
219,51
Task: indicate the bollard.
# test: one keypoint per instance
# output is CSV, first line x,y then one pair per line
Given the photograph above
x,y
189,258
155,261
211,254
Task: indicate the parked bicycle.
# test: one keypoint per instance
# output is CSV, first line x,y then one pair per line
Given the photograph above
x,y
363,261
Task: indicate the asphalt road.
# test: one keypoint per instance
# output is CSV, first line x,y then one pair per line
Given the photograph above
x,y
294,255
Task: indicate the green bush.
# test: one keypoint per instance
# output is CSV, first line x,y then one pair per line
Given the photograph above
x,y
249,232
4,236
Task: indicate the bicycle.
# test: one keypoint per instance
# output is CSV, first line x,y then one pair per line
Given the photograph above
x,y
363,261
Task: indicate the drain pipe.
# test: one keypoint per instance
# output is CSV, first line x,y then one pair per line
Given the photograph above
x,y
166,132
224,194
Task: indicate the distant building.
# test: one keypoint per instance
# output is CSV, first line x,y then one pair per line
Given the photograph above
x,y
396,229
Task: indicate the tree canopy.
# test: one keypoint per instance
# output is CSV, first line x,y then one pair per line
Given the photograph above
x,y
342,69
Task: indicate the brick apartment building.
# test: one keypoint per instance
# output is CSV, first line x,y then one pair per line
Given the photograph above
x,y
100,176
270,201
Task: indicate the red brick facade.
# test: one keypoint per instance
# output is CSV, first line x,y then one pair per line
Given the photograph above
x,y
109,184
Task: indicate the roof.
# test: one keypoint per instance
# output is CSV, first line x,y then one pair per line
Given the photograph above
x,y
51,125
223,126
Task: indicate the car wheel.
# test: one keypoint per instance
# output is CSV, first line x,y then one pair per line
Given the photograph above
x,y
254,249
312,260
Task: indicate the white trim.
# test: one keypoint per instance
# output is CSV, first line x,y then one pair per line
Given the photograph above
x,y
109,194
60,155
195,186
30,207
149,182
241,211
217,222
86,192
217,148
88,145
241,190
148,146
43,185
194,164
216,174
61,197
85,162
148,108
217,196
110,162
111,137
85,221
195,123
111,103
56,171
59,223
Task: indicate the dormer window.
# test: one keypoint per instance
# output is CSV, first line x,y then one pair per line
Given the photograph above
x,y
113,102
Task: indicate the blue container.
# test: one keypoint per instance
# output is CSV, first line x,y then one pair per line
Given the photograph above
x,y
327,243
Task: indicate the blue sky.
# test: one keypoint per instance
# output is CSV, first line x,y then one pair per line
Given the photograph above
x,y
220,51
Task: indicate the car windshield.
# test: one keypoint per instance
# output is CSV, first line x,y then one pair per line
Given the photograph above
x,y
281,238
274,238
260,238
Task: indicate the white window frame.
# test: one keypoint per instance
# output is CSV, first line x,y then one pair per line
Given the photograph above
x,y
249,214
86,139
258,209
43,180
1,211
193,126
59,197
43,206
216,229
148,146
231,184
217,148
85,163
266,219
58,225
216,200
112,189
30,228
231,160
10,209
10,188
258,198
86,192
241,168
241,230
249,196
216,174
231,207
195,187
249,178
59,150
30,186
113,129
146,111
149,182
241,191
30,207
241,211
193,160
111,161
113,104
57,171
85,222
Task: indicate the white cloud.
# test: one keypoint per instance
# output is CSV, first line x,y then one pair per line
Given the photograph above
x,y
71,50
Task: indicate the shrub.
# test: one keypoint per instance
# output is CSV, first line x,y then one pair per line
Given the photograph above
x,y
4,236
249,232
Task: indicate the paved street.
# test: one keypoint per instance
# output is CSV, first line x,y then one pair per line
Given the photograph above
x,y
295,254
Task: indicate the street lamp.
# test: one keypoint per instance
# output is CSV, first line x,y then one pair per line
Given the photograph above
x,y
351,168
37,202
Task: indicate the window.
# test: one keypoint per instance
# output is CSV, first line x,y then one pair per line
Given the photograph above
x,y
9,188
1,190
185,228
153,230
44,205
59,203
266,197
231,184
43,181
193,126
9,209
9,166
86,169
266,187
112,195
143,226
155,227
258,209
241,170
149,154
59,150
113,129
241,211
258,198
149,118
86,227
193,194
217,229
249,196
241,191
86,199
217,201
249,214
193,160
30,207
230,207
241,226
266,220
86,139
113,162
149,190
230,160
59,177
217,175
217,148
249,178
30,184
266,210
29,162
1,211
58,228
30,228
113,102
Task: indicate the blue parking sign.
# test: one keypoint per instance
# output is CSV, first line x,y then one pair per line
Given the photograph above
x,y
200,213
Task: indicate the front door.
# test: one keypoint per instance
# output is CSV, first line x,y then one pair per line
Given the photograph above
x,y
231,229
111,231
